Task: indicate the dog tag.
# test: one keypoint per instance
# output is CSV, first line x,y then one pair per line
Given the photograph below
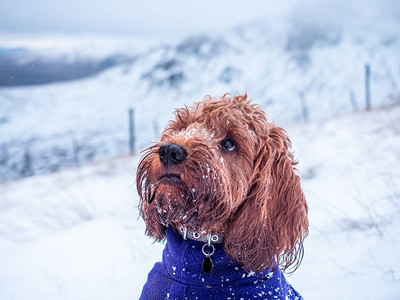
x,y
207,265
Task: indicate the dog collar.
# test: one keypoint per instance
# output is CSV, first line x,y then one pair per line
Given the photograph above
x,y
208,248
211,238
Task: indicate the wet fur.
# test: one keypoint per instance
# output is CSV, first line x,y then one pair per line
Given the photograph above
x,y
251,194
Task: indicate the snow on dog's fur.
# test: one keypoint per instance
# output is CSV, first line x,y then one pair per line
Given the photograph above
x,y
235,177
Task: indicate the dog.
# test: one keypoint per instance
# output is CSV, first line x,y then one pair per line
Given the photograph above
x,y
220,186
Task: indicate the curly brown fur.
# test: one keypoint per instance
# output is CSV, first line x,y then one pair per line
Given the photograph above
x,y
251,193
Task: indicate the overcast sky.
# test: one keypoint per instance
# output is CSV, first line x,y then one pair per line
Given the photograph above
x,y
163,18
169,18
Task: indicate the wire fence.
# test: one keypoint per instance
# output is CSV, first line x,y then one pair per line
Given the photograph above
x,y
33,157
36,157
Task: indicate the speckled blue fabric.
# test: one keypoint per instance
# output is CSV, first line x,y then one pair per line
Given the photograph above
x,y
180,276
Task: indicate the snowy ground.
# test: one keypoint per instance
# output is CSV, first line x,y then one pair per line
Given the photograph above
x,y
76,234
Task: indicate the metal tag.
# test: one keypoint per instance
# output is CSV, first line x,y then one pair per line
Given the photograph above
x,y
207,265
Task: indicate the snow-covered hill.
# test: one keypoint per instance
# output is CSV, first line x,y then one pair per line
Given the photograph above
x,y
308,68
37,59
75,234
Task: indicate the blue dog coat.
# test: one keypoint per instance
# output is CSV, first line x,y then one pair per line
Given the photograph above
x,y
180,276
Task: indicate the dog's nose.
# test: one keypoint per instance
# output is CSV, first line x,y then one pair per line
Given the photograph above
x,y
171,154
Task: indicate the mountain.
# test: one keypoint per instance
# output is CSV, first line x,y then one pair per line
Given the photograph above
x,y
36,59
299,71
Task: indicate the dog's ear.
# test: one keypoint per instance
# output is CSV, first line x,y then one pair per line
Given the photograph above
x,y
147,207
269,228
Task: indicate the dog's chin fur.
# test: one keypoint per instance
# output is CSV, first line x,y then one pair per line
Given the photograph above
x,y
182,196
250,193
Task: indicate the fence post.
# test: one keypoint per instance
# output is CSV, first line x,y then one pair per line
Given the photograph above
x,y
304,108
131,132
4,156
27,168
367,87
75,150
353,101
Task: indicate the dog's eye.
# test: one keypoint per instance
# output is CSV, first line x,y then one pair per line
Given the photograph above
x,y
228,144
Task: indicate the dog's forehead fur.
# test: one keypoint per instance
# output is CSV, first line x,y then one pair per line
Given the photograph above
x,y
214,119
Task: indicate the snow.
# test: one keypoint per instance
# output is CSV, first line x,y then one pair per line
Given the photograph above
x,y
350,171
76,234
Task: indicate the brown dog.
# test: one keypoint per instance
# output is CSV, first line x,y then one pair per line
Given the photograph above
x,y
221,168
